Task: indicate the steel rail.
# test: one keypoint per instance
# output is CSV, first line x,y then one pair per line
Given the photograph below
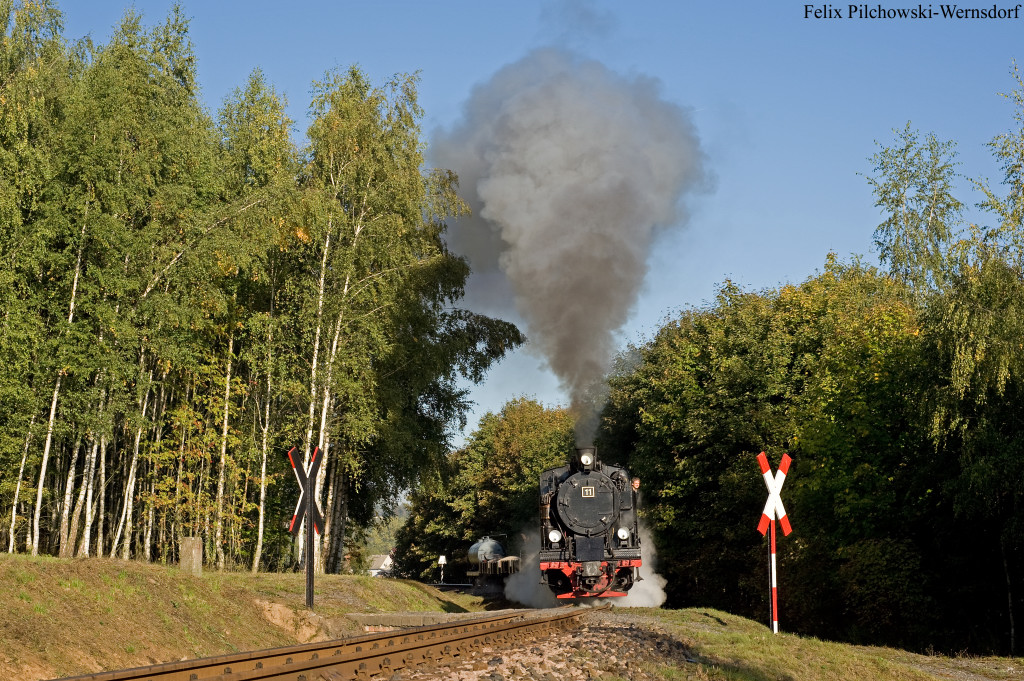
x,y
411,649
352,658
234,663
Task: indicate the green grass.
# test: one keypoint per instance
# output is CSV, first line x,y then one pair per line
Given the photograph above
x,y
21,577
58,616
74,583
729,648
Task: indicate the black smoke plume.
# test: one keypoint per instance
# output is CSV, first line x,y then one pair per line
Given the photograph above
x,y
571,171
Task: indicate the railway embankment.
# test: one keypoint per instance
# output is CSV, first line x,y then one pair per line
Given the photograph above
x,y
65,618
69,617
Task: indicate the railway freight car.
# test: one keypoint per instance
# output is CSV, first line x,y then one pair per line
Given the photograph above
x,y
489,566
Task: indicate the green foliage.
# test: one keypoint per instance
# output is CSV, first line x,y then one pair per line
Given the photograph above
x,y
896,395
195,296
914,188
820,371
1008,149
486,488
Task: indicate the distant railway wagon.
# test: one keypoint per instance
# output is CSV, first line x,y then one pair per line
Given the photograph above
x,y
489,566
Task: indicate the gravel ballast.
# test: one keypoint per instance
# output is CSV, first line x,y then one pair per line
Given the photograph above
x,y
608,645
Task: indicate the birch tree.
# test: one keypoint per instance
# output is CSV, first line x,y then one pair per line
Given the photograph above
x,y
375,221
183,300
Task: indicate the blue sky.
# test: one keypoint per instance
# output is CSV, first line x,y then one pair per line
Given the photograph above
x,y
787,108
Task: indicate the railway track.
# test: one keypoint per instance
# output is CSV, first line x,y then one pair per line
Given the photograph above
x,y
360,657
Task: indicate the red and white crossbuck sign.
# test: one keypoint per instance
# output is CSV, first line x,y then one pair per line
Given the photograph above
x,y
773,509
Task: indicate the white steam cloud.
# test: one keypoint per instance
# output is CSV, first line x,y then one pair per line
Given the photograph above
x,y
650,591
571,171
525,587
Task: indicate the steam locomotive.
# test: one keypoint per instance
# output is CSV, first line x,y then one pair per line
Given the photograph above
x,y
590,546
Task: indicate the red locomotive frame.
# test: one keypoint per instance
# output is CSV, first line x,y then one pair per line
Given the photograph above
x,y
571,571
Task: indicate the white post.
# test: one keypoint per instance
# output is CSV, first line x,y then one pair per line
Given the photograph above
x,y
775,586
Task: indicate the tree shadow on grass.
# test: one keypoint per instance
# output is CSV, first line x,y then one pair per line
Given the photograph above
x,y
449,606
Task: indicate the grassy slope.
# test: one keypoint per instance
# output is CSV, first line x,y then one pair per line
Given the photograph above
x,y
72,617
731,648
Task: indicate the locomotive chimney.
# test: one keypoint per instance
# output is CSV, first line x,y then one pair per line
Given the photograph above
x,y
586,458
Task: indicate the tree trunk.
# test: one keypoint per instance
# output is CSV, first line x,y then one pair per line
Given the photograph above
x,y
103,496
339,511
314,371
162,540
334,535
83,549
154,468
83,546
17,489
1009,599
68,538
263,466
56,393
147,548
317,486
83,492
42,466
218,531
204,468
129,502
176,527
324,552
127,517
325,408
64,550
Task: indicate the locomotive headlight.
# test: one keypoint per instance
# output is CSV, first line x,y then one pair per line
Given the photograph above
x,y
623,533
554,536
586,459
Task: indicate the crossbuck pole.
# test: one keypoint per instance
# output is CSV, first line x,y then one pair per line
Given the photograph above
x,y
775,586
773,510
307,509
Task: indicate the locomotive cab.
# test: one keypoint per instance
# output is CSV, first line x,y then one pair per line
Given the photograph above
x,y
590,544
